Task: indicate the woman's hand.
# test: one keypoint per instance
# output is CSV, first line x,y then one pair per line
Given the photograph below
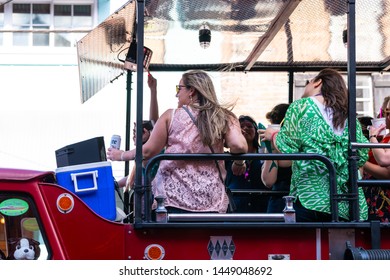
x,y
375,131
114,154
266,134
152,82
238,168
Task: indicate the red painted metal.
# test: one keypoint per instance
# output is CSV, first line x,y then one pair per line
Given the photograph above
x,y
82,234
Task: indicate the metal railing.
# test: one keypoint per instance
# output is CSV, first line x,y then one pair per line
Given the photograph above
x,y
143,193
369,182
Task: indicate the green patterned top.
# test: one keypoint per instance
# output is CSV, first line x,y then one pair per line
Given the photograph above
x,y
306,131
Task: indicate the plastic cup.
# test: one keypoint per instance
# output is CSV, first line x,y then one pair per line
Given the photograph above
x,y
268,143
377,122
274,126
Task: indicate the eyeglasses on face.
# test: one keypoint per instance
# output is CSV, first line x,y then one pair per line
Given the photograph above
x,y
178,88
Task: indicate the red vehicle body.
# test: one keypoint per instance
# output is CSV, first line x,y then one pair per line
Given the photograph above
x,y
82,234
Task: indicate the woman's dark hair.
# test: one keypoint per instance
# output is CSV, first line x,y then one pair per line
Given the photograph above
x,y
365,122
276,115
335,93
252,121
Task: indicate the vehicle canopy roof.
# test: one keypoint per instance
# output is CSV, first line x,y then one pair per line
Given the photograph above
x,y
246,35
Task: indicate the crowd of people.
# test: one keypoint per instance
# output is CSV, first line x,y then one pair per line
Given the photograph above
x,y
377,167
317,123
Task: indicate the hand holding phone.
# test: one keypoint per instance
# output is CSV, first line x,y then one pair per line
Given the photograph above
x,y
148,125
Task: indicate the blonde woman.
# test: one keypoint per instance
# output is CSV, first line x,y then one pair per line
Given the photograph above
x,y
192,185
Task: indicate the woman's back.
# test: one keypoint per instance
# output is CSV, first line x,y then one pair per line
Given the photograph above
x,y
311,133
190,185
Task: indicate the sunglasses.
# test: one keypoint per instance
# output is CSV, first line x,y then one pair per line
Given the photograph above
x,y
178,88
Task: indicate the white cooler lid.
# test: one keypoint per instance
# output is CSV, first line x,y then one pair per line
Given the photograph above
x,y
83,166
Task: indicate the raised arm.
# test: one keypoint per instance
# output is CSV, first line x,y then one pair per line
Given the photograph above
x,y
153,110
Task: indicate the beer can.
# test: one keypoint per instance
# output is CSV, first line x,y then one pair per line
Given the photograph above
x,y
115,142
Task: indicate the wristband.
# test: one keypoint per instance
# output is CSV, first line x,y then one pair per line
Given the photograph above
x,y
273,135
372,136
122,159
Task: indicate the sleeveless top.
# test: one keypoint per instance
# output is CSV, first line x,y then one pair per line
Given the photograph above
x,y
190,185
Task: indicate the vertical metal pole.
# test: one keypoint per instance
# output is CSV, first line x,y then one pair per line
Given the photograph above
x,y
139,156
128,120
290,86
353,169
126,194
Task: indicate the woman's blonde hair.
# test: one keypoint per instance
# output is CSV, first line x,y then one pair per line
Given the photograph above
x,y
213,119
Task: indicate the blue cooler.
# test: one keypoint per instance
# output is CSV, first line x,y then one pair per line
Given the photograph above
x,y
93,183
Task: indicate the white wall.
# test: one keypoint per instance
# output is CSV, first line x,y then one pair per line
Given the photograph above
x,y
40,112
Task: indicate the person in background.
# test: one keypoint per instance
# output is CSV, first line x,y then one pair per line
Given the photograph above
x,y
381,155
250,180
317,123
365,122
378,197
200,124
276,174
128,181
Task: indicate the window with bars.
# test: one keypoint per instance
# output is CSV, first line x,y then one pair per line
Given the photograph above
x,y
364,93
70,17
61,25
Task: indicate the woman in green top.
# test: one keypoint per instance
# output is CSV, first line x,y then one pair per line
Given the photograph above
x,y
317,123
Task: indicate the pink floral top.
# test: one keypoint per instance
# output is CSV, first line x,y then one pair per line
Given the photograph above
x,y
190,185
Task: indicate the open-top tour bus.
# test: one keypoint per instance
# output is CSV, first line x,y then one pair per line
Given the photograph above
x,y
269,43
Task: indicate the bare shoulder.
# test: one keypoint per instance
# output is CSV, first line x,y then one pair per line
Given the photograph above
x,y
167,114
165,117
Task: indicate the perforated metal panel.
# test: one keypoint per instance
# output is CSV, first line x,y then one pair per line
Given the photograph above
x,y
288,32
101,53
245,34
